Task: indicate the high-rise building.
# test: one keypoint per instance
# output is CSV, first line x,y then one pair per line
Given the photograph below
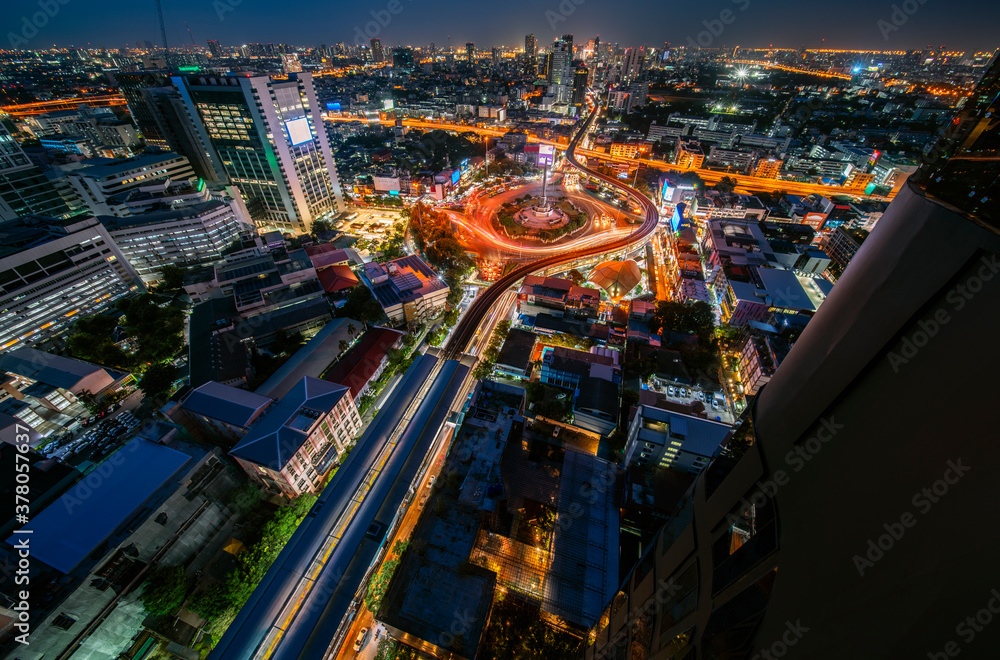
x,y
580,78
264,133
531,54
402,59
53,270
853,397
24,188
170,113
214,48
132,86
470,52
377,55
495,57
559,70
633,65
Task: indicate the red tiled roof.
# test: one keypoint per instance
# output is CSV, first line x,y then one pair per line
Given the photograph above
x,y
357,367
336,278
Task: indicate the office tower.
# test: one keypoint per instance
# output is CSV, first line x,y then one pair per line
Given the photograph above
x,y
853,469
132,86
580,77
495,56
559,69
53,270
264,133
24,188
377,55
470,52
632,66
432,51
214,48
176,128
402,59
531,54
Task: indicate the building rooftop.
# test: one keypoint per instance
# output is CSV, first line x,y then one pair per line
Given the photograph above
x,y
517,348
283,430
356,368
412,280
102,168
336,278
312,359
56,370
112,223
75,526
224,403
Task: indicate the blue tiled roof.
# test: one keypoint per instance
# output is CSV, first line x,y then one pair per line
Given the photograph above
x,y
274,439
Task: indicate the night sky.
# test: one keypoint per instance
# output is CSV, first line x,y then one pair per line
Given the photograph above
x,y
963,25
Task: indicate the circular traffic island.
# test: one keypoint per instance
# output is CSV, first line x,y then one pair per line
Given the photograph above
x,y
531,219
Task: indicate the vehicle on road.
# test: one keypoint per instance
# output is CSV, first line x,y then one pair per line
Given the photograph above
x,y
362,639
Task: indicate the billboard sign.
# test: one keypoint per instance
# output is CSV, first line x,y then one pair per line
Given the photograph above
x,y
333,107
455,176
464,165
298,130
546,154
388,104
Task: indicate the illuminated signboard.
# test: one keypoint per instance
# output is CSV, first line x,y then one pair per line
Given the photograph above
x,y
667,193
333,107
388,104
455,176
546,154
188,69
298,130
678,216
464,165
875,154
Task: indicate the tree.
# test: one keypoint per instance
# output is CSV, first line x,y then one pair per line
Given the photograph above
x,y
727,184
165,590
351,329
343,345
157,380
171,279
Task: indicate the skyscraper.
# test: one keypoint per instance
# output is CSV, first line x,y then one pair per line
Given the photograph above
x,y
531,54
580,77
377,55
470,52
851,469
264,133
214,48
133,86
633,65
559,70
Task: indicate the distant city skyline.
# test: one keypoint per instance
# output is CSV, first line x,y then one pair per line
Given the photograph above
x,y
851,24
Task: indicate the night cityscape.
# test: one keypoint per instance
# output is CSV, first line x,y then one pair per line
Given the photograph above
x,y
436,331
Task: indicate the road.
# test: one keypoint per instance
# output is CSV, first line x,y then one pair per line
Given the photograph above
x,y
470,321
745,183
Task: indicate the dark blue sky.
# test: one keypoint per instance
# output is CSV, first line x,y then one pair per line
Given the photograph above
x,y
962,25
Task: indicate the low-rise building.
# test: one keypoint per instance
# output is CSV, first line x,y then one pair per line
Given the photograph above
x,y
557,297
366,361
659,437
103,178
292,448
514,359
219,414
408,289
